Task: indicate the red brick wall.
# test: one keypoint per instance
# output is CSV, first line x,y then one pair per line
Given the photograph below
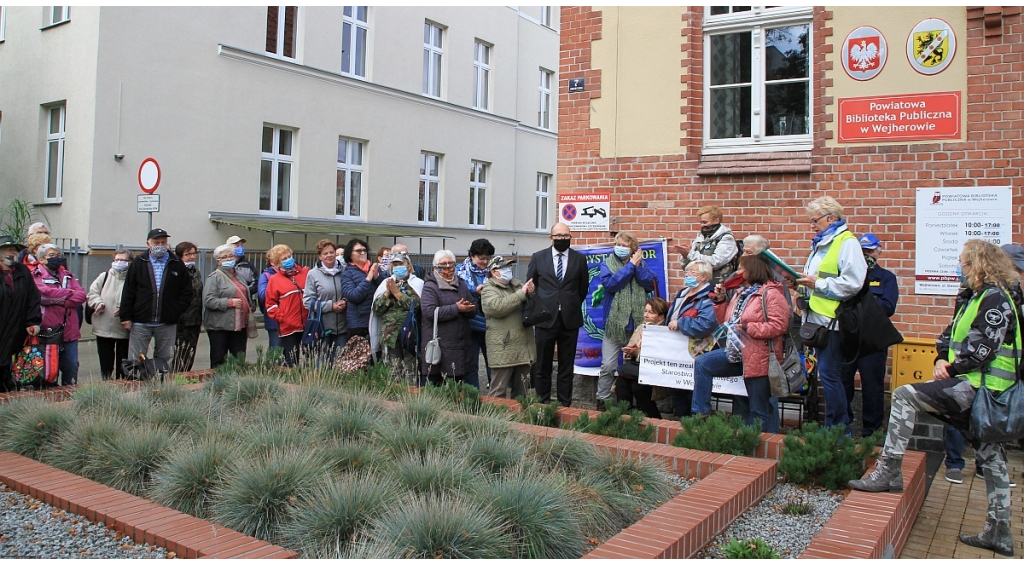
x,y
657,196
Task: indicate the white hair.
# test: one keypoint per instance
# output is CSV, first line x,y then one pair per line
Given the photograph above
x,y
225,248
42,250
704,267
755,243
395,248
443,253
32,228
826,205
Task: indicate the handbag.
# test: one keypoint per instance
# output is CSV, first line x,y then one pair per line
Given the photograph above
x,y
432,352
28,363
864,328
52,342
814,335
313,331
998,417
355,355
89,310
788,376
534,312
250,325
409,333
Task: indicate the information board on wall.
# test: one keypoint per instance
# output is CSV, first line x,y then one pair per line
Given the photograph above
x,y
948,217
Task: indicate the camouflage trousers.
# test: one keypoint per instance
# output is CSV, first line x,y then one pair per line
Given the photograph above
x,y
949,400
402,365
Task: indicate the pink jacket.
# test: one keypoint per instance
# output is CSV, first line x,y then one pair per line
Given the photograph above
x,y
755,351
59,294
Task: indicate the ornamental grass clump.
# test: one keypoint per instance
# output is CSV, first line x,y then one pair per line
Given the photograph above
x,y
466,427
92,397
187,479
418,409
297,407
248,392
825,457
186,417
564,453
351,417
437,471
349,456
33,426
723,433
494,454
602,509
618,420
78,447
407,438
264,436
132,407
457,396
165,393
643,480
128,460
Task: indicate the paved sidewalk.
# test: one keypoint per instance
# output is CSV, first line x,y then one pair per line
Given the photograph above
x,y
951,509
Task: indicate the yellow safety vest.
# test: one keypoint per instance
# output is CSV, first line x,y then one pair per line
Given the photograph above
x,y
829,268
1001,372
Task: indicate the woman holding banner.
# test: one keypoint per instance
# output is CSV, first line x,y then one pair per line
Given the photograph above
x,y
692,314
627,386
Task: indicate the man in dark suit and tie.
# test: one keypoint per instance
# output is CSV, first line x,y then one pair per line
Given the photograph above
x,y
561,280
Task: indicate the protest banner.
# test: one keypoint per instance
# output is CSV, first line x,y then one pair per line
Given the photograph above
x,y
665,361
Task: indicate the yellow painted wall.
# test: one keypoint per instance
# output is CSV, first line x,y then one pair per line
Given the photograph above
x,y
639,56
897,77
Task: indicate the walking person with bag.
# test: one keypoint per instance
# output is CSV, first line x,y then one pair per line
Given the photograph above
x,y
61,294
20,310
324,299
226,300
980,347
102,309
512,346
284,300
447,307
396,309
186,337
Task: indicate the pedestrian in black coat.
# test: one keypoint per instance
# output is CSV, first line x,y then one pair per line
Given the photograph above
x,y
447,296
20,312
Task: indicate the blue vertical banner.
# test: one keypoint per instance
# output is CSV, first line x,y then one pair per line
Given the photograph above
x,y
588,347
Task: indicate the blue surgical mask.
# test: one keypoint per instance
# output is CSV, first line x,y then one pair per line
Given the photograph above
x,y
690,281
227,265
960,274
239,251
621,252
400,271
288,263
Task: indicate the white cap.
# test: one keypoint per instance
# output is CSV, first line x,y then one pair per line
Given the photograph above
x,y
234,239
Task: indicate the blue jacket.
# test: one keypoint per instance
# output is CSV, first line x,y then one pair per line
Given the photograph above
x,y
883,286
358,292
261,293
614,283
696,314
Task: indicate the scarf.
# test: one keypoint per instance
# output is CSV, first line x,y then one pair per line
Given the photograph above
x,y
365,267
627,305
827,232
470,274
734,337
709,230
872,261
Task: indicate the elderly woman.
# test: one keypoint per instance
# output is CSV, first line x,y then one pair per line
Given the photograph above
x,y
715,244
186,338
983,339
473,271
284,300
448,298
359,281
392,302
226,299
835,271
627,386
758,314
512,347
626,281
323,295
104,297
691,313
20,313
61,295
31,250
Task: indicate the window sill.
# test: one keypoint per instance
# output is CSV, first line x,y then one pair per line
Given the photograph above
x,y
349,218
53,25
48,203
777,162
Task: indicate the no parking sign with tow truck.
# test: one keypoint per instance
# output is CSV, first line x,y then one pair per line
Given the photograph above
x,y
585,212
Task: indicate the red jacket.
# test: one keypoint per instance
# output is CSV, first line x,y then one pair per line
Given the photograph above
x,y
284,301
755,351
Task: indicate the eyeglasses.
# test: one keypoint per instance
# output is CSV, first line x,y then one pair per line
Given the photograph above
x,y
561,237
446,266
189,254
359,251
817,219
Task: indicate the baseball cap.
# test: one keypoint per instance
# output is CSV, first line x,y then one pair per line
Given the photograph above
x,y
157,233
869,242
234,239
498,261
1016,254
400,257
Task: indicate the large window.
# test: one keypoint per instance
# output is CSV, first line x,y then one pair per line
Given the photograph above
x,y
430,180
757,83
433,55
543,195
56,118
481,75
478,193
544,108
277,158
350,179
281,30
354,27
56,14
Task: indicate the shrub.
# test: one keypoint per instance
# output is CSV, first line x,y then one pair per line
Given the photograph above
x,y
33,426
749,549
184,380
643,480
618,420
718,433
494,453
437,471
187,479
536,413
127,461
825,457
348,456
78,447
457,396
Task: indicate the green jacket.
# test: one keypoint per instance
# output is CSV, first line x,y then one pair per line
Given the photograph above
x,y
508,342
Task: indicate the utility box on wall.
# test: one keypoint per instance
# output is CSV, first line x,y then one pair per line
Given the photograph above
x,y
912,362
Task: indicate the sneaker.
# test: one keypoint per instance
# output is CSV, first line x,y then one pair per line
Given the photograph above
x,y
955,475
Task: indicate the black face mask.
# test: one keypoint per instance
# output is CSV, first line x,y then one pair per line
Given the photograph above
x,y
709,230
561,245
55,263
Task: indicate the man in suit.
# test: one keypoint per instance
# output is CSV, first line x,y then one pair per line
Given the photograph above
x,y
561,280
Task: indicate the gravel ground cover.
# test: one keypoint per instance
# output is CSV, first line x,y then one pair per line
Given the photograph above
x,y
788,534
32,529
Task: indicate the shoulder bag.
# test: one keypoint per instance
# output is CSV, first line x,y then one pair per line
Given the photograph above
x,y
998,417
89,310
787,377
314,328
432,352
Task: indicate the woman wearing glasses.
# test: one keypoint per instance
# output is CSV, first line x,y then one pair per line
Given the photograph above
x,y
358,283
447,297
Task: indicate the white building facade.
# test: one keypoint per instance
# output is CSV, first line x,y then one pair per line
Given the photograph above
x,y
284,124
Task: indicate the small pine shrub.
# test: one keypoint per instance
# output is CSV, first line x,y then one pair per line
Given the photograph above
x,y
618,420
536,413
187,479
349,456
494,454
643,480
33,426
128,460
78,447
720,432
234,364
247,392
457,396
749,549
437,471
825,457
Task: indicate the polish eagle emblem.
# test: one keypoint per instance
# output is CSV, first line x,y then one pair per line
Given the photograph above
x,y
864,54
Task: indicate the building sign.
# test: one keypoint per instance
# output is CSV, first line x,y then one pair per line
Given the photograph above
x,y
948,217
904,117
577,84
665,361
931,46
585,212
864,53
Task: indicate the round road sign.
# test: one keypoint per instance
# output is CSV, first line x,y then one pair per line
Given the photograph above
x,y
569,212
149,175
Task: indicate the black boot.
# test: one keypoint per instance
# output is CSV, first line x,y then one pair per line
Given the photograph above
x,y
996,537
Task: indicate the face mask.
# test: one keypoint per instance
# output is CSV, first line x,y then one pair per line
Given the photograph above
x,y
446,272
54,263
400,271
9,260
288,263
227,265
189,264
561,245
621,252
709,230
690,281
734,281
239,251
158,252
872,261
122,265
963,277
505,274
385,261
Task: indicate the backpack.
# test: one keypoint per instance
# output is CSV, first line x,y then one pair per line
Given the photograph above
x,y
409,334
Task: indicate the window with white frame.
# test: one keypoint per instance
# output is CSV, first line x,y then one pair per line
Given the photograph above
x,y
354,28
478,193
348,204
430,181
433,59
277,159
56,14
544,89
481,75
757,80
546,15
281,30
543,200
56,118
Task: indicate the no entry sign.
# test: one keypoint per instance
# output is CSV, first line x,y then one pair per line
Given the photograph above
x,y
149,175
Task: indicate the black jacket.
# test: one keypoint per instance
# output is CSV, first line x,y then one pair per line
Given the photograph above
x,y
137,299
569,293
19,309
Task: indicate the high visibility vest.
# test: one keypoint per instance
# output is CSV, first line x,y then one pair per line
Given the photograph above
x,y
1000,373
829,268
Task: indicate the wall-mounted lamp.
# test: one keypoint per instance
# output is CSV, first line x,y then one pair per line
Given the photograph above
x,y
118,157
